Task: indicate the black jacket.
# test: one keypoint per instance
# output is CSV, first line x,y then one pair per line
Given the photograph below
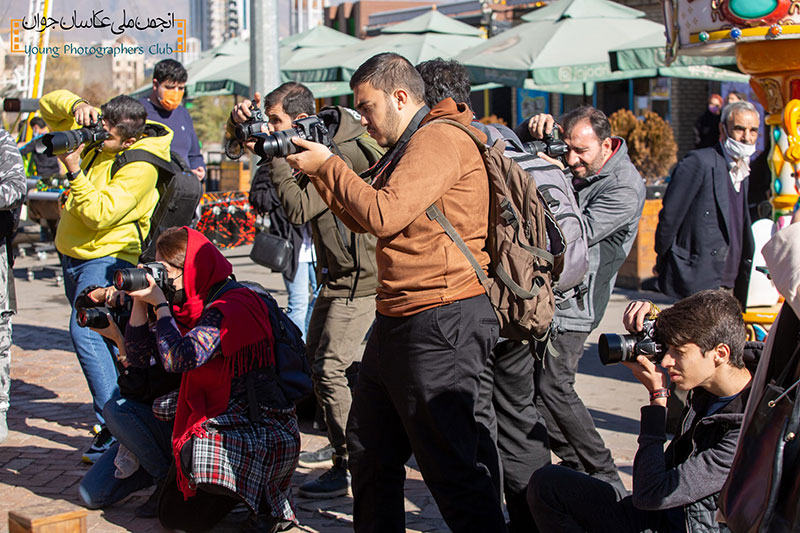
x,y
689,474
265,201
693,231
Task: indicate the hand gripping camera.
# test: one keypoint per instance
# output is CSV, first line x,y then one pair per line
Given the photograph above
x,y
244,131
615,348
279,144
134,279
64,142
97,317
551,145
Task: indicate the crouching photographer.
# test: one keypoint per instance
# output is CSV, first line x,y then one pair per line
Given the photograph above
x,y
234,436
700,344
141,455
105,216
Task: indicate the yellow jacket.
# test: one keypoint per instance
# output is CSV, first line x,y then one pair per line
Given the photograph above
x,y
100,216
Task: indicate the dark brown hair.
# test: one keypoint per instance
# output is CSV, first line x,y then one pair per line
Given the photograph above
x,y
294,98
708,318
171,244
599,121
388,72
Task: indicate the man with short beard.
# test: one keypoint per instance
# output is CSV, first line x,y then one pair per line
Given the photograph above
x,y
610,193
434,327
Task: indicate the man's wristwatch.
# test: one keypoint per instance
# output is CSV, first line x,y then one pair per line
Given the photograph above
x,y
72,175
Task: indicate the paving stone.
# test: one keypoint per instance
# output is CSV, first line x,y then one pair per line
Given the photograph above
x,y
51,415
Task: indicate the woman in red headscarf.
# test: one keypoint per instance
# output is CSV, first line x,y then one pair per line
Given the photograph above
x,y
235,434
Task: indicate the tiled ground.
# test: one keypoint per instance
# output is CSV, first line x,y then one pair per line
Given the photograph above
x,y
51,416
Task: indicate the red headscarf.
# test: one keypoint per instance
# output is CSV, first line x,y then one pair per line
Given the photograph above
x,y
245,334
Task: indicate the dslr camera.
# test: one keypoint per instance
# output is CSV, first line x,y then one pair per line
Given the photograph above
x,y
247,129
64,142
551,145
279,144
615,348
97,317
234,148
134,279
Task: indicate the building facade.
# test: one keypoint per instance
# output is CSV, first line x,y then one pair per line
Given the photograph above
x,y
214,21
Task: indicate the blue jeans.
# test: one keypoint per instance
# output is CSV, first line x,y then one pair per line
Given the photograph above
x,y
135,427
299,308
132,423
99,488
95,355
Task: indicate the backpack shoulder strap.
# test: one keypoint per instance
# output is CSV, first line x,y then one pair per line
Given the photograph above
x,y
138,154
434,213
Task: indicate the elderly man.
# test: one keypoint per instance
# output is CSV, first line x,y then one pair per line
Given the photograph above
x,y
703,240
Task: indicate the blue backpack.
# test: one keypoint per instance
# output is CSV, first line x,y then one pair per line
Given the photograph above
x,y
292,369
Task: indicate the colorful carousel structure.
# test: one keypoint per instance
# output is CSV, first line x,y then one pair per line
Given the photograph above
x,y
764,35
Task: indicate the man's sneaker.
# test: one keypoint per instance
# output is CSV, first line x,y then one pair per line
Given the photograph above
x,y
331,484
312,459
103,440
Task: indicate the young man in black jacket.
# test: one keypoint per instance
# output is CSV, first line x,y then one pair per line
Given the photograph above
x,y
703,340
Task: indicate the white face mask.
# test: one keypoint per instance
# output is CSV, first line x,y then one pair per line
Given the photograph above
x,y
738,150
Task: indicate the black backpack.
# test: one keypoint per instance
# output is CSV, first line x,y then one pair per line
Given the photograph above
x,y
292,369
179,193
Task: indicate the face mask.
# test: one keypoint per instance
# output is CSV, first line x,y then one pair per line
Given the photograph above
x,y
175,297
738,150
714,109
171,99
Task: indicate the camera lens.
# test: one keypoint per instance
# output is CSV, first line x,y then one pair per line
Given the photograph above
x,y
63,142
130,279
278,144
92,318
244,131
615,348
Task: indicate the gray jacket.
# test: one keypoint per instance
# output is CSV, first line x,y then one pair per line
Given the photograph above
x,y
686,477
612,203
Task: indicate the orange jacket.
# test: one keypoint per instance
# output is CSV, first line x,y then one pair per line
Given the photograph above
x,y
419,266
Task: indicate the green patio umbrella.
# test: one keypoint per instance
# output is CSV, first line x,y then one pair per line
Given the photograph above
x,y
425,37
565,42
649,53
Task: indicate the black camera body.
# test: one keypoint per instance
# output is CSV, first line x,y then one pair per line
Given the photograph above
x,y
134,279
615,348
242,132
551,145
279,144
64,142
97,317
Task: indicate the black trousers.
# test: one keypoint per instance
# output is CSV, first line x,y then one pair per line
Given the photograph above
x,y
416,393
507,408
570,427
566,501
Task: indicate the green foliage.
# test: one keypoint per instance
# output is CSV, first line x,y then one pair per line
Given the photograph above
x,y
651,143
209,114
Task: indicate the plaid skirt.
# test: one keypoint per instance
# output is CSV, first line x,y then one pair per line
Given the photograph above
x,y
256,461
